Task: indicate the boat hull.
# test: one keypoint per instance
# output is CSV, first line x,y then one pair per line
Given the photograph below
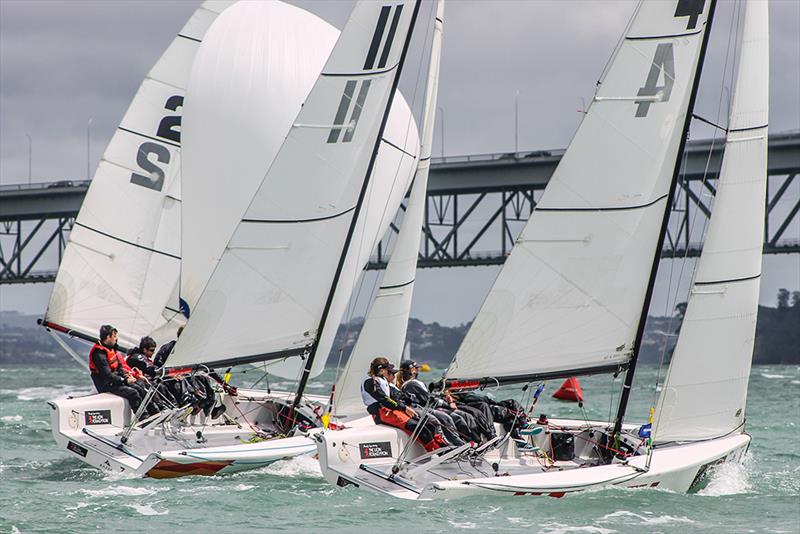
x,y
352,457
90,428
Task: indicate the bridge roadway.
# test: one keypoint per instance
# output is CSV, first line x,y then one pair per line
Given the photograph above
x,y
516,176
451,175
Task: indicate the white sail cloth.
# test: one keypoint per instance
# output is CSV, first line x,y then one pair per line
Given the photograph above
x,y
705,390
122,263
386,323
570,295
268,293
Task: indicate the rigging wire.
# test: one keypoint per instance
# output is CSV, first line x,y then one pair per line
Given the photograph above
x,y
618,45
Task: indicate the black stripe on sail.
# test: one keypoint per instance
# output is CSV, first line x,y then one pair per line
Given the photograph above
x,y
747,128
286,221
341,113
398,148
609,208
387,47
728,281
397,285
190,38
357,74
167,254
377,37
159,139
360,99
668,36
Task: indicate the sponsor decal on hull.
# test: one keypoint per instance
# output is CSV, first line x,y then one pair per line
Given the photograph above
x,y
77,449
97,417
380,449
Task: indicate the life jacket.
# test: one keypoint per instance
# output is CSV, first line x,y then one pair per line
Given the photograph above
x,y
114,360
366,398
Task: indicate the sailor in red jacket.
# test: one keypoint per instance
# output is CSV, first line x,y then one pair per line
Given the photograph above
x,y
109,371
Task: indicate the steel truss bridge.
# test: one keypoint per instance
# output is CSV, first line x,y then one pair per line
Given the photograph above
x,y
477,206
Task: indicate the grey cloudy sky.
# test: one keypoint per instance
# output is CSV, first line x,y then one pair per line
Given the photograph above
x,y
64,63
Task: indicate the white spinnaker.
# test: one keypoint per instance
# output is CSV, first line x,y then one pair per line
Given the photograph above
x,y
705,390
267,294
386,323
570,295
122,263
252,74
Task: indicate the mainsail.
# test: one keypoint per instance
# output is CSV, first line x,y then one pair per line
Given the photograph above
x,y
569,298
273,286
386,323
122,262
706,388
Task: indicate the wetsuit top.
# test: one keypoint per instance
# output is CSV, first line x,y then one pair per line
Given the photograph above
x,y
375,393
418,390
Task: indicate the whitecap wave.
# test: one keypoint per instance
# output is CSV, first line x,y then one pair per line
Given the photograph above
x,y
767,375
466,525
729,478
560,528
11,418
643,519
120,491
146,509
299,466
210,489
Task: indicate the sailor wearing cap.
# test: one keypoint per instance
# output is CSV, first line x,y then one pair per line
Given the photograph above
x,y
384,410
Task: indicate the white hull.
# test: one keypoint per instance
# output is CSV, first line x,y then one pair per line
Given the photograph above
x,y
91,429
676,467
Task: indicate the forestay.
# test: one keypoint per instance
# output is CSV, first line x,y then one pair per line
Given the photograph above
x,y
386,323
705,391
267,295
569,297
122,263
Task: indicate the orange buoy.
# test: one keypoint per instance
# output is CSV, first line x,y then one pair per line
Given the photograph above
x,y
570,390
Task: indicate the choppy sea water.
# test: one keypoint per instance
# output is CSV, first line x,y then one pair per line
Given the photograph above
x,y
43,489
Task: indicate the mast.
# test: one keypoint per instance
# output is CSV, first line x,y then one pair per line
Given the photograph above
x,y
313,352
629,374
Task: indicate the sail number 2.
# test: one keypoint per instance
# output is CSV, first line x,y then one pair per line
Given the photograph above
x,y
151,154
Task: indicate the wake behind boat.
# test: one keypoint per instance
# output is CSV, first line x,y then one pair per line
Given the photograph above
x,y
573,295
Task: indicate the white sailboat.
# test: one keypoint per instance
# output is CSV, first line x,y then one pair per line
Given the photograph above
x,y
100,429
573,295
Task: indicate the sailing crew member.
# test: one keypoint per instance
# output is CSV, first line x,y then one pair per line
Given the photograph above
x,y
141,357
107,369
415,393
377,398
